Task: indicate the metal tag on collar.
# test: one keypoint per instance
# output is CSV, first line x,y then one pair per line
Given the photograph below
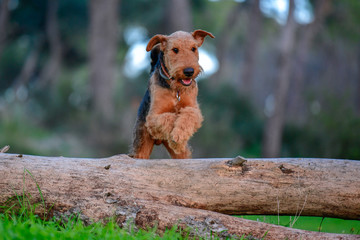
x,y
178,96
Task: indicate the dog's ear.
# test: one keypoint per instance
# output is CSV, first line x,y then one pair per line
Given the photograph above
x,y
200,35
155,40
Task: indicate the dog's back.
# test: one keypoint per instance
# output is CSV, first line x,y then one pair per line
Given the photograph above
x,y
145,104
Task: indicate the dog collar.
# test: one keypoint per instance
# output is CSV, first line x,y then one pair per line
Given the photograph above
x,y
163,70
163,73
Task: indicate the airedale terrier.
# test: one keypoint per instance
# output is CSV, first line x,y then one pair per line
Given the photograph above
x,y
169,112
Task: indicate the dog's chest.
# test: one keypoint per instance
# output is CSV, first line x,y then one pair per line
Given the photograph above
x,y
171,100
175,102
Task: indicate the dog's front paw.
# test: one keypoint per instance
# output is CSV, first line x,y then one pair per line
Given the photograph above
x,y
155,132
160,125
177,135
177,147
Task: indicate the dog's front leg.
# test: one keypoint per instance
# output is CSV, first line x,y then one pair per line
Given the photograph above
x,y
160,125
186,124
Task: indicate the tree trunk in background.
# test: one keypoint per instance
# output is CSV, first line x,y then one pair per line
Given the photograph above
x,y
251,46
275,123
189,193
357,104
296,103
223,44
29,67
4,18
51,70
178,16
103,48
103,34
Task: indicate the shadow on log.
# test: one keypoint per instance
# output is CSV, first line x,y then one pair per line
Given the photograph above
x,y
194,193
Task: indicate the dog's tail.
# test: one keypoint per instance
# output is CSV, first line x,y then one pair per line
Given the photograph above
x,y
154,55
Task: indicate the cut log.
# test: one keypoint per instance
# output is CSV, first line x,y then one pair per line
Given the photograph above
x,y
193,193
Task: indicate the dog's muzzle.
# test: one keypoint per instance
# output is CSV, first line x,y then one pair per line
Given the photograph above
x,y
186,81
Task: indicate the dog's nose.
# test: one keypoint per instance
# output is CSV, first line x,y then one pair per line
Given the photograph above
x,y
188,72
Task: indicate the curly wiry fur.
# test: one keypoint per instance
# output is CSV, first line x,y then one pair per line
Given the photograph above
x,y
169,112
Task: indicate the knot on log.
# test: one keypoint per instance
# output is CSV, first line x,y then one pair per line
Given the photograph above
x,y
285,170
238,161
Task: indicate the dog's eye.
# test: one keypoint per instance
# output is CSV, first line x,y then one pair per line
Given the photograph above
x,y
175,50
193,49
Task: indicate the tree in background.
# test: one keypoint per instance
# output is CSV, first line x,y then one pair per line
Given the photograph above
x,y
103,40
4,16
51,70
178,16
306,41
224,44
275,123
252,39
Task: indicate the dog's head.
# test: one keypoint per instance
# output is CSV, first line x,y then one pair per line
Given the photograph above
x,y
180,54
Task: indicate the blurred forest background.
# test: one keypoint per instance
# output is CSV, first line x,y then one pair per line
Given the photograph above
x,y
282,77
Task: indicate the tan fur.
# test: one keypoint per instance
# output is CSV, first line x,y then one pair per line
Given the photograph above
x,y
169,120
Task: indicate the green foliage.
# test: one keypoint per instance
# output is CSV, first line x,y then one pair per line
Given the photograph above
x,y
29,17
344,22
11,61
332,133
22,128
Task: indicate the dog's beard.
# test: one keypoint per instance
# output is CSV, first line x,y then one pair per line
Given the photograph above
x,y
184,80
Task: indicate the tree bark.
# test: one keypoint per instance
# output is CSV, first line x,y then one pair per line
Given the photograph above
x,y
275,123
192,193
4,18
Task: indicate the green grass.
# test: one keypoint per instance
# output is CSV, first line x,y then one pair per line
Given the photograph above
x,y
33,227
330,225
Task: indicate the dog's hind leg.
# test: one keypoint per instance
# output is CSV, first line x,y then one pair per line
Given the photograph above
x,y
145,148
143,143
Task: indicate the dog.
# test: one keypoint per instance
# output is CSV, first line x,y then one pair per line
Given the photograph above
x,y
169,113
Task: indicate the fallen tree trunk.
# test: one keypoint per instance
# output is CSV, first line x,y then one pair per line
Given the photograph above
x,y
193,193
